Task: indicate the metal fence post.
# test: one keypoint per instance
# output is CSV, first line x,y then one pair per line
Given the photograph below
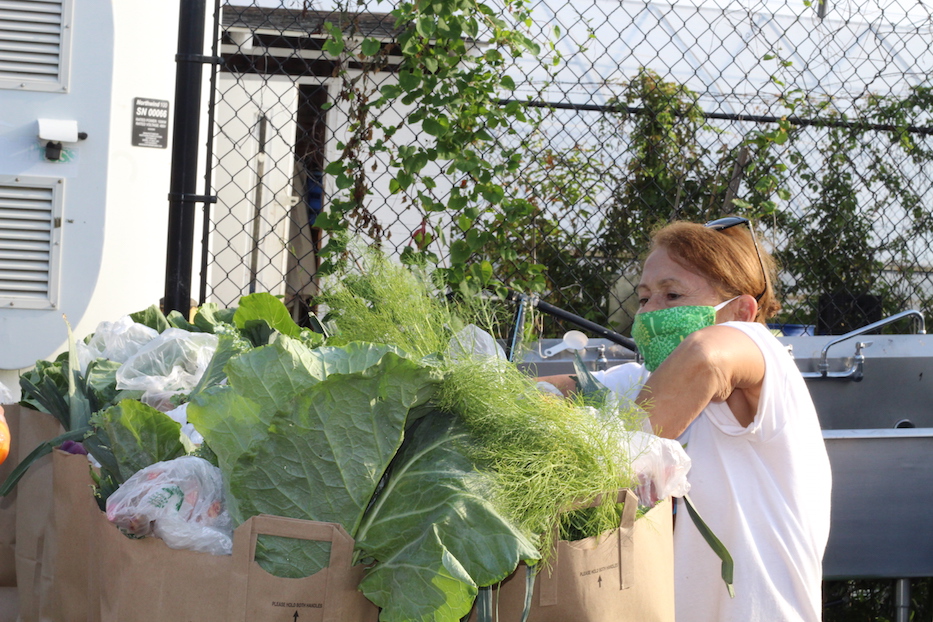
x,y
182,194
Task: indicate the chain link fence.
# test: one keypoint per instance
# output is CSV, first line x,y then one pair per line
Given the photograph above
x,y
576,129
813,119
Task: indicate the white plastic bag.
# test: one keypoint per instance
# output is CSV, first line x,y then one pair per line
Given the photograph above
x,y
661,466
180,501
171,363
6,396
476,342
180,415
116,341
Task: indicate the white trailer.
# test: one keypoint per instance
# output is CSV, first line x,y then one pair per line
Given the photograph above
x,y
86,93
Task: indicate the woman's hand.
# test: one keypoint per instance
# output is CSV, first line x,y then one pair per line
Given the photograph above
x,y
718,363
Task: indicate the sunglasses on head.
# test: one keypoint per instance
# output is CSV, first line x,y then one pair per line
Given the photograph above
x,y
721,224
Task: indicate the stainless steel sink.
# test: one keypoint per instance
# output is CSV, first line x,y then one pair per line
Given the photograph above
x,y
896,384
882,485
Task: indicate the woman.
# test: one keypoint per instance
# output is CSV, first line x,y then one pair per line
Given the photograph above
x,y
726,388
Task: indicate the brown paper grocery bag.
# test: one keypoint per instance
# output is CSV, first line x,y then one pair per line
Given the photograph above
x,y
8,503
33,511
331,595
623,575
64,595
143,580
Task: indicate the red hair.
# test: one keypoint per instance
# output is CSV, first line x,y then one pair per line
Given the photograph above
x,y
726,258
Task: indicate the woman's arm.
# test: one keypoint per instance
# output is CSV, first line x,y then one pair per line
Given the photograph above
x,y
715,364
563,382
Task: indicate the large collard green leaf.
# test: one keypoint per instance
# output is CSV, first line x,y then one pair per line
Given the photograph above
x,y
266,307
434,533
308,433
138,435
326,451
101,377
228,346
152,317
275,374
209,317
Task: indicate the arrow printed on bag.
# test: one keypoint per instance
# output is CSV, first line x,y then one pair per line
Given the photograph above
x,y
599,581
295,617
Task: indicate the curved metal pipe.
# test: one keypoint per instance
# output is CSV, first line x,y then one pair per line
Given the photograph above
x,y
855,372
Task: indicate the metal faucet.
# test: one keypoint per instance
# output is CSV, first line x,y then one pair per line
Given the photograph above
x,y
855,372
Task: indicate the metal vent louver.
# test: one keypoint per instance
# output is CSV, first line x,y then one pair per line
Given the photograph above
x,y
34,44
29,244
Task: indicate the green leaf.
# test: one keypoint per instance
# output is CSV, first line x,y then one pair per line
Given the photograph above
x,y
43,449
333,47
45,389
433,530
177,320
307,433
425,26
343,181
728,566
139,435
435,126
334,168
370,46
101,378
228,346
459,252
151,317
482,272
209,317
265,306
390,91
79,407
408,81
450,26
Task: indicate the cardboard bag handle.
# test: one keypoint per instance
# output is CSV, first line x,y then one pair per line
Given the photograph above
x,y
625,546
244,553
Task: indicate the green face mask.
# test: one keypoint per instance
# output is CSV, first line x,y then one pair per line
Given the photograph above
x,y
657,333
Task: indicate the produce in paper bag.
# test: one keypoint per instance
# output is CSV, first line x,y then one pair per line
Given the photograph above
x,y
180,501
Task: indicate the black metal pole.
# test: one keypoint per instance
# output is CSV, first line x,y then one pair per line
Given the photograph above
x,y
183,192
605,333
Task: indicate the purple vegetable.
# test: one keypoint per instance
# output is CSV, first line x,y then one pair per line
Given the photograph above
x,y
73,447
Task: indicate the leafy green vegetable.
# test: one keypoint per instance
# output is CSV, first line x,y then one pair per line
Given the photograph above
x,y
209,317
138,435
152,317
389,304
43,449
45,389
317,433
267,308
435,533
545,453
308,433
229,344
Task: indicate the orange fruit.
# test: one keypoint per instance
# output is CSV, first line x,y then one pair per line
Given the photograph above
x,y
4,437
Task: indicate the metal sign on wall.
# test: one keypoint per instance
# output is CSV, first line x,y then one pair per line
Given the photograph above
x,y
150,123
